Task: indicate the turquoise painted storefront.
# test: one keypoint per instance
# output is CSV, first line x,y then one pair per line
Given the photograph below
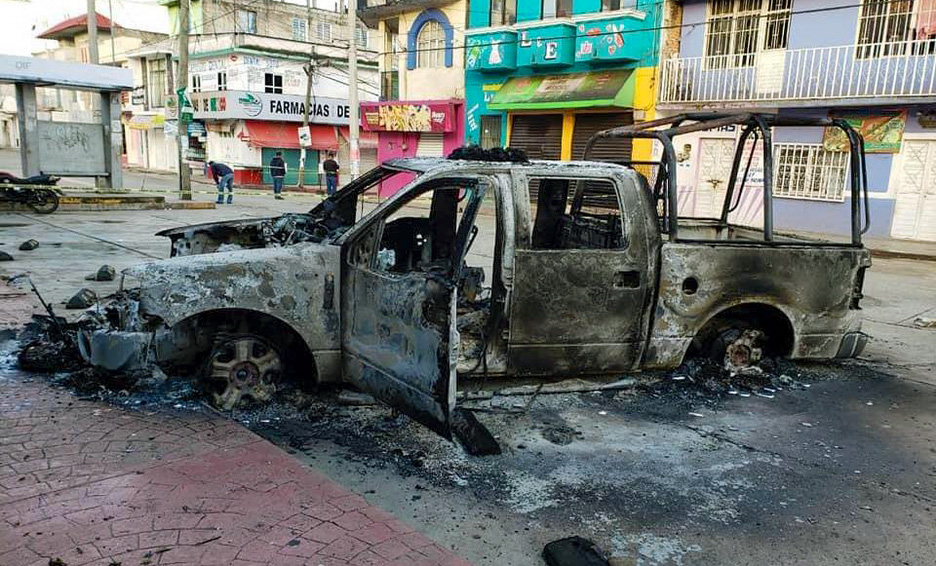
x,y
587,41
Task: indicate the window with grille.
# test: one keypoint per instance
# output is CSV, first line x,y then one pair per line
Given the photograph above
x,y
503,12
430,45
361,36
323,31
247,21
222,80
299,29
610,5
196,83
889,27
273,83
491,131
808,171
737,29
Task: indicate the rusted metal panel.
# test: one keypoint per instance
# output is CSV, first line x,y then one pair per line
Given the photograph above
x,y
291,284
812,285
398,340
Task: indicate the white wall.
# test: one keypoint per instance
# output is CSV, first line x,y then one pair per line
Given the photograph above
x,y
233,150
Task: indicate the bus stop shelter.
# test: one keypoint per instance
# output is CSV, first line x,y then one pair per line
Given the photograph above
x,y
69,148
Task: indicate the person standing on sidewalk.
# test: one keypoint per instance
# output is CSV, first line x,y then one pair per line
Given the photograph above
x,y
223,176
278,172
330,166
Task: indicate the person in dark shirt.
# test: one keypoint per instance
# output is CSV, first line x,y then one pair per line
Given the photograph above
x,y
223,176
278,172
331,167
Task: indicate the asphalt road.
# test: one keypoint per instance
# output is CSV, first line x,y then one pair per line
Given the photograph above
x,y
840,472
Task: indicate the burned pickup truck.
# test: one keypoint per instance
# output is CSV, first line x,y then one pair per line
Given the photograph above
x,y
586,269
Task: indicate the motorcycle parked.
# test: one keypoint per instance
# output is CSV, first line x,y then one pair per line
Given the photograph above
x,y
30,191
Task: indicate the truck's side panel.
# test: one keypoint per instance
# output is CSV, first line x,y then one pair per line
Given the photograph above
x,y
812,285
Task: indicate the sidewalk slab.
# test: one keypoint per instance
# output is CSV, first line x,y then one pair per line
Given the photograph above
x,y
94,484
90,483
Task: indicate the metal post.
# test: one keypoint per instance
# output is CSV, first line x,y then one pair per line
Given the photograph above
x,y
92,33
355,152
113,144
28,128
185,174
308,93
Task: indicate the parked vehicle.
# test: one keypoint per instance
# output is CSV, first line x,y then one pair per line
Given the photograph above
x,y
30,191
590,272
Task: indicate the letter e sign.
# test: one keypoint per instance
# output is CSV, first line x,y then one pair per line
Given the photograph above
x,y
552,50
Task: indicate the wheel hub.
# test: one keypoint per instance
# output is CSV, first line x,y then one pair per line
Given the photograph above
x,y
243,368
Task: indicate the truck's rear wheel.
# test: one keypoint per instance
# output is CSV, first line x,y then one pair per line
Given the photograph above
x,y
242,367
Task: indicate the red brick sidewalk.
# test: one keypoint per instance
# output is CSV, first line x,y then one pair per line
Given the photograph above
x,y
93,484
89,483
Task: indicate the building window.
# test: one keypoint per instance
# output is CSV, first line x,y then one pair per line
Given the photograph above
x,y
361,36
196,83
430,45
556,9
737,29
156,91
246,21
503,12
808,171
610,5
299,29
222,80
273,83
389,85
490,131
886,27
323,31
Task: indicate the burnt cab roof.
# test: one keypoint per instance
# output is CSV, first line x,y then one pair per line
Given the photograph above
x,y
436,164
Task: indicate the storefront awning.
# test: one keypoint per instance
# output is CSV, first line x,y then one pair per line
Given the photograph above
x,y
573,90
366,140
284,135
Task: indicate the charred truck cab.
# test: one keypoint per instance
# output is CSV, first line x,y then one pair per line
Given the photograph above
x,y
490,268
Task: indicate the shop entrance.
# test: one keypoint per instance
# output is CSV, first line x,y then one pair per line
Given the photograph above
x,y
291,157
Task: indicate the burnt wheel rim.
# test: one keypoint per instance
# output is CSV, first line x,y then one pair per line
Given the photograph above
x,y
243,368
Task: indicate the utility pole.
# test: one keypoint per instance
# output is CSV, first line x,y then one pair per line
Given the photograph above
x,y
185,174
353,119
110,10
308,94
92,33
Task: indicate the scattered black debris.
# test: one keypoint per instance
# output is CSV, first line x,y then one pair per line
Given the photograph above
x,y
104,273
5,257
83,299
501,154
29,245
476,439
355,399
574,551
57,562
50,345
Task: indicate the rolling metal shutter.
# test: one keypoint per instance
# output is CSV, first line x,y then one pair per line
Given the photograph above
x,y
430,145
614,150
540,136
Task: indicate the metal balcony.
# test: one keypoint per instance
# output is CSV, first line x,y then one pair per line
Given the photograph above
x,y
901,71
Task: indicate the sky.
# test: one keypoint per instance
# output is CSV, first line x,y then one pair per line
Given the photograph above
x,y
23,19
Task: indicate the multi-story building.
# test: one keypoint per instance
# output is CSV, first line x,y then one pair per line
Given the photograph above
x,y
544,75
872,62
248,69
422,79
71,44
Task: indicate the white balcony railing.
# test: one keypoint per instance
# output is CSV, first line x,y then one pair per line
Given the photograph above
x,y
888,70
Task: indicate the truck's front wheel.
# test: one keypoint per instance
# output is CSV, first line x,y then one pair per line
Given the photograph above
x,y
242,367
